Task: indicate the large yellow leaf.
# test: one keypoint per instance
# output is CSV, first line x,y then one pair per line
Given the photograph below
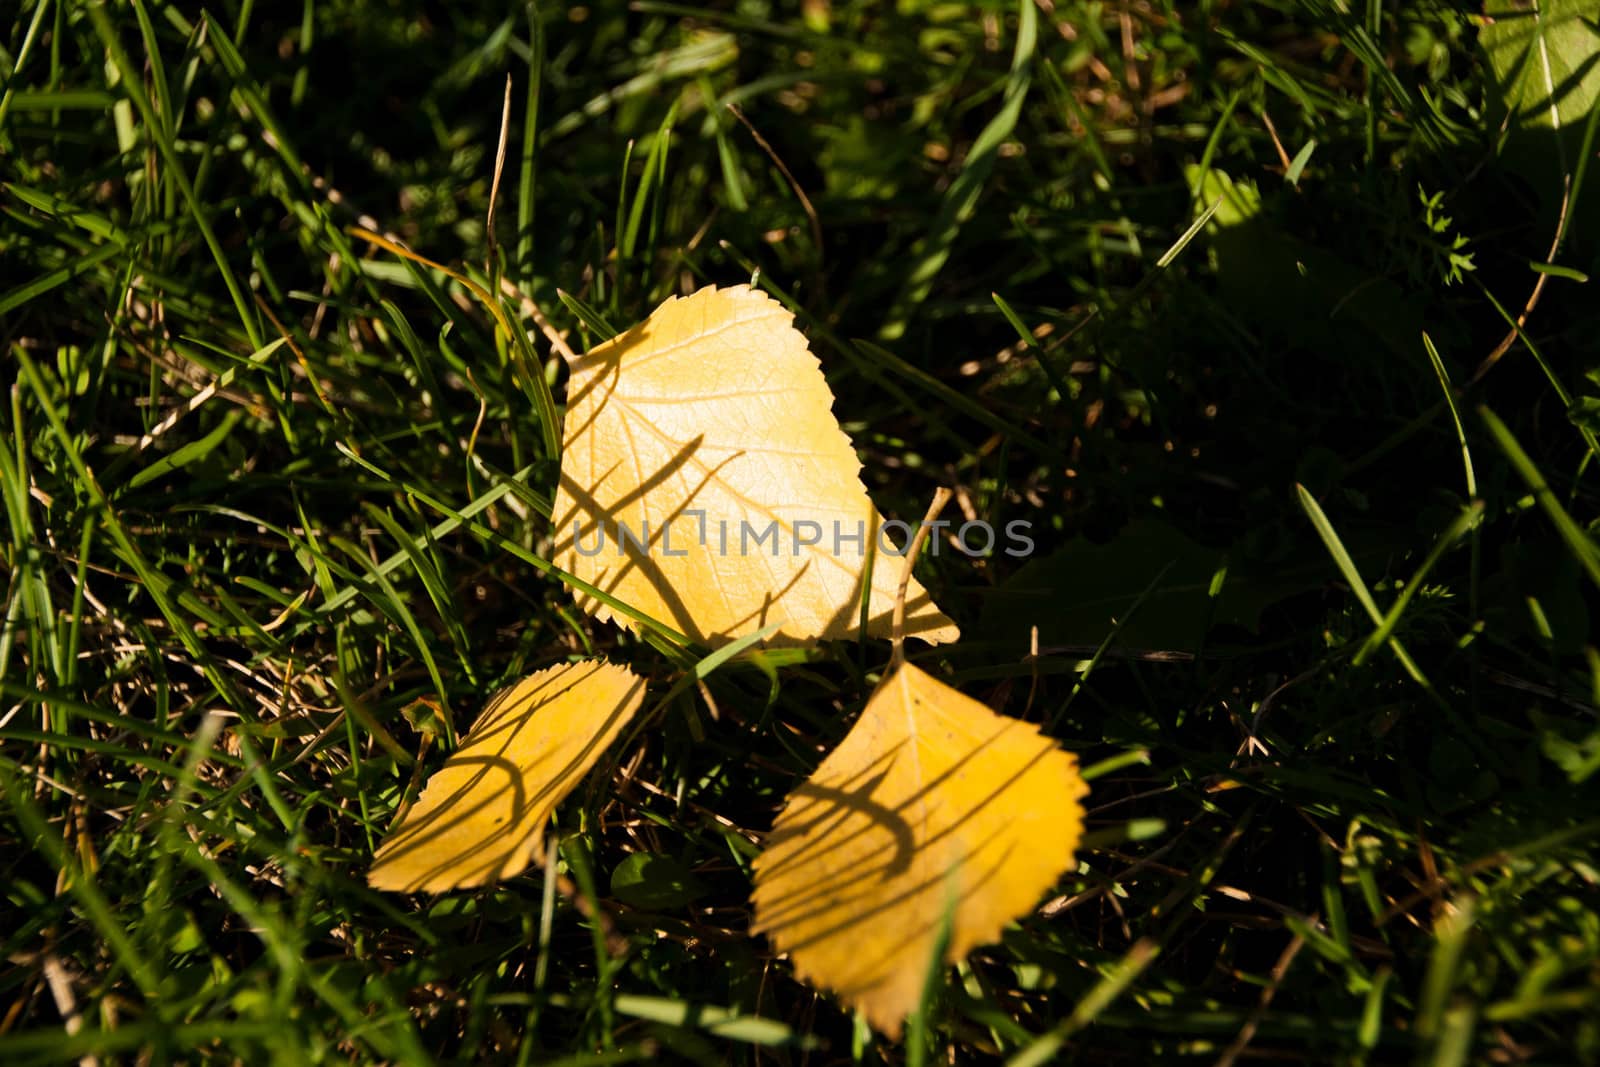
x,y
931,801
705,434
482,816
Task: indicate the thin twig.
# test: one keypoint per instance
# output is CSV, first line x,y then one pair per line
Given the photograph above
x,y
897,631
1248,1031
499,167
1533,298
805,201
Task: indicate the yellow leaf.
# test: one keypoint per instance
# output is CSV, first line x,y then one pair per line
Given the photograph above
x,y
701,447
931,801
481,818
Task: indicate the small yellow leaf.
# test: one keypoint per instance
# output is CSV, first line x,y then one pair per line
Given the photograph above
x,y
482,816
931,802
705,482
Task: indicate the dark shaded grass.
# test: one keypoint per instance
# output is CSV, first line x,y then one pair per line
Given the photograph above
x,y
212,675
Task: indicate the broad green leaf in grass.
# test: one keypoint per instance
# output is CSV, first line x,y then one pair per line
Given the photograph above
x,y
1538,591
1572,746
1544,60
654,882
1544,56
863,159
481,817
1078,593
706,483
930,797
1291,289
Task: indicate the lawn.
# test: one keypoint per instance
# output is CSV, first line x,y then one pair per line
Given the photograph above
x,y
1273,321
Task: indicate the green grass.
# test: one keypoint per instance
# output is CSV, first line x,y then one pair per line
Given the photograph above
x,y
1313,491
